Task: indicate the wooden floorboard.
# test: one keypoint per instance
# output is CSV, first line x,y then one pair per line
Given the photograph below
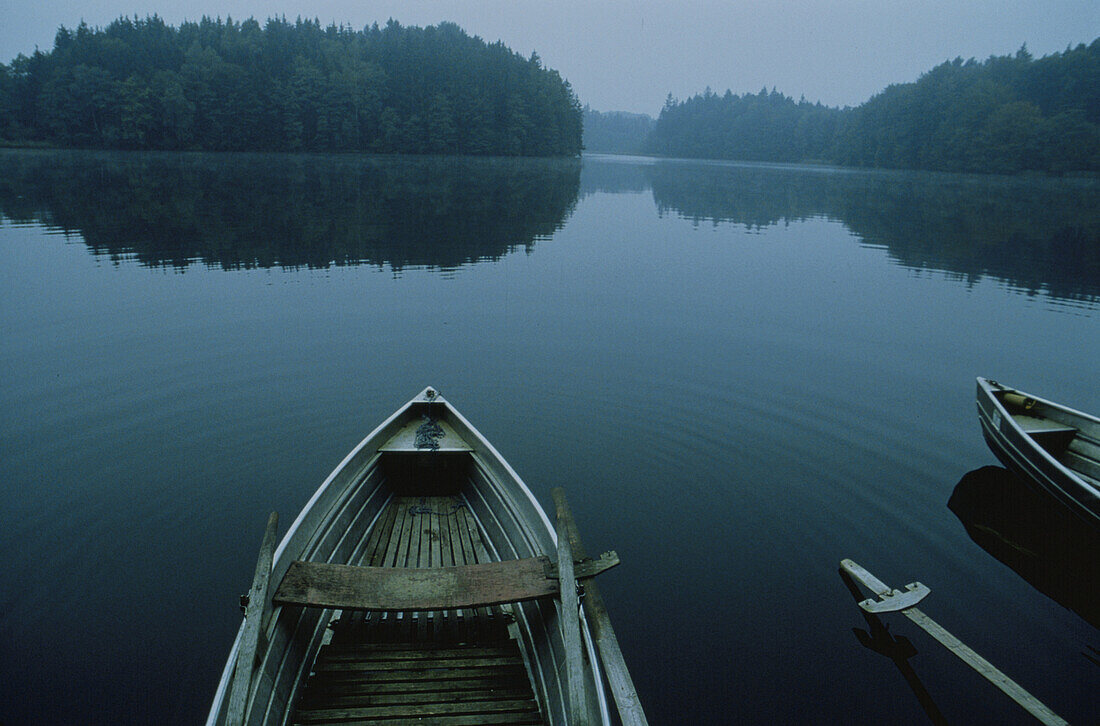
x,y
389,681
447,668
355,695
467,556
484,691
366,653
478,720
416,710
419,664
381,675
476,548
380,534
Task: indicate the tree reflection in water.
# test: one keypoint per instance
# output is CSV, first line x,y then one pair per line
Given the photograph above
x,y
1039,234
255,210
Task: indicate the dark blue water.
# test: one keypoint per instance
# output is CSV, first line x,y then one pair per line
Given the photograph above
x,y
740,375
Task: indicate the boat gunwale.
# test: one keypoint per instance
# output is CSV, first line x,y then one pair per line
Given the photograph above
x,y
991,385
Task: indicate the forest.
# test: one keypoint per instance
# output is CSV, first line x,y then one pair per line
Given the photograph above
x,y
230,86
616,132
219,85
1006,114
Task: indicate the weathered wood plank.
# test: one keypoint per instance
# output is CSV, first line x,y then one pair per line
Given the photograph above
x,y
379,535
402,589
447,559
460,621
408,523
463,521
518,719
481,622
431,558
492,672
492,678
436,559
254,615
390,554
318,584
440,645
577,703
438,683
611,656
414,541
367,653
424,664
416,624
416,710
344,658
400,698
462,536
320,690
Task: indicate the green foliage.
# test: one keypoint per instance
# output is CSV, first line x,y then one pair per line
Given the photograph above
x,y
1005,115
223,85
766,126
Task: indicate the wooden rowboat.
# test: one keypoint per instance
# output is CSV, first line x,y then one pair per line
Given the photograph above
x,y
420,583
1049,444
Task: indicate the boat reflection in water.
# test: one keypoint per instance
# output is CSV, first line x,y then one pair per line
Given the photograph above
x,y
1032,533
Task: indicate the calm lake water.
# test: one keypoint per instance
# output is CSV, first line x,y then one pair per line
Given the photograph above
x,y
740,374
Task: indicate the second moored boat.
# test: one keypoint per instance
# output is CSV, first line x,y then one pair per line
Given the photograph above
x,y
1049,444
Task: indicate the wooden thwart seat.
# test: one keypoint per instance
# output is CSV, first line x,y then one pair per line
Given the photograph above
x,y
395,589
1033,425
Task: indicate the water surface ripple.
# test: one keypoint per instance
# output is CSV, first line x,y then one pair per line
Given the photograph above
x,y
740,373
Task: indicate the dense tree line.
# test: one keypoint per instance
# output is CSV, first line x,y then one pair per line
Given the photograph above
x,y
1005,114
616,132
766,126
225,85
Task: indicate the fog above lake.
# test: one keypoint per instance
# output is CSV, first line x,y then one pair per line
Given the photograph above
x,y
628,56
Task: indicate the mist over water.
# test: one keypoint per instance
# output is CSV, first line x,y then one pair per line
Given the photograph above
x,y
739,373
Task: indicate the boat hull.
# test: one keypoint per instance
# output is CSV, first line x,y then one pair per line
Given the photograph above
x,y
335,525
1020,452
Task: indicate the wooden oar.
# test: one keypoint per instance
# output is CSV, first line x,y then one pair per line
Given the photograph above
x,y
618,677
905,602
257,606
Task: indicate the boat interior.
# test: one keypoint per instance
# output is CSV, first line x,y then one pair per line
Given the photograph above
x,y
1072,439
351,632
421,583
451,666
460,665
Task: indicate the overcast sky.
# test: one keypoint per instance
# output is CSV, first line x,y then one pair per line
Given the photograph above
x,y
628,55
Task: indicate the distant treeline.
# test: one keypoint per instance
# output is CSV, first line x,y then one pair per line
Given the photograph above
x,y
616,132
214,85
1005,114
